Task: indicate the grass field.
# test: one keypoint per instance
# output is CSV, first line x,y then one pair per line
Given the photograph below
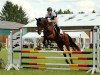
x,y
3,55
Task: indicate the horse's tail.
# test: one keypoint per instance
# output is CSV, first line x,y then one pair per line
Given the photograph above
x,y
73,45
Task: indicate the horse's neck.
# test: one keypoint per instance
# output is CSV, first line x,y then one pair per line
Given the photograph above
x,y
49,29
50,24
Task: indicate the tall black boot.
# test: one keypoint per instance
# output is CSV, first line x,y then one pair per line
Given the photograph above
x,y
58,33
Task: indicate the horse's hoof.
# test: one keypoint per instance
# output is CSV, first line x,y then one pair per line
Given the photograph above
x,y
72,63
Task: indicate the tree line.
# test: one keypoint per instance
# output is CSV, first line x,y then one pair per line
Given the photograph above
x,y
68,11
60,11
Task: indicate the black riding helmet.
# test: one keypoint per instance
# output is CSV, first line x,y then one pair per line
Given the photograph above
x,y
49,9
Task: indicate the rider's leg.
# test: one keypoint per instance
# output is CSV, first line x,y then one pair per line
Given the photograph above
x,y
57,30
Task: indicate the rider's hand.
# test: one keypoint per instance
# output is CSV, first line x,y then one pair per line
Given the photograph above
x,y
49,20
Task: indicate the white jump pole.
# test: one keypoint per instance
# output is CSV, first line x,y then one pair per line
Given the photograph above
x,y
94,68
98,47
11,65
21,46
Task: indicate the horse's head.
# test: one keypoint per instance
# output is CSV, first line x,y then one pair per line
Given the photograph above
x,y
41,23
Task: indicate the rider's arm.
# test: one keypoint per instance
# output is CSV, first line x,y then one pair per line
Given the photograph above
x,y
54,17
55,20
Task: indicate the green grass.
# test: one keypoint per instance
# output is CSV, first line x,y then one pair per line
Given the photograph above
x,y
3,55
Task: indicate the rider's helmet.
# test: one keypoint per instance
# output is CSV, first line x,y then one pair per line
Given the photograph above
x,y
49,9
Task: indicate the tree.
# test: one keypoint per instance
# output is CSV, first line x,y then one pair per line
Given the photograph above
x,y
59,11
14,13
64,12
67,12
81,12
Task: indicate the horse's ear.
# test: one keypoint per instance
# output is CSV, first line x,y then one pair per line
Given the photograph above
x,y
36,18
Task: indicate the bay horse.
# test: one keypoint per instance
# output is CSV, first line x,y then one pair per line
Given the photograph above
x,y
50,34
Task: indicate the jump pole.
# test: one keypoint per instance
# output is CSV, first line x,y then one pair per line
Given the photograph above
x,y
94,68
67,52
10,51
56,64
98,47
11,65
41,57
45,68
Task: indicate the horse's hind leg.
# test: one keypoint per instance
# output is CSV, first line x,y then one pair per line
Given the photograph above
x,y
66,59
61,48
69,54
71,59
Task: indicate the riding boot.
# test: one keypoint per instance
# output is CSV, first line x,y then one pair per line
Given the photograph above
x,y
57,32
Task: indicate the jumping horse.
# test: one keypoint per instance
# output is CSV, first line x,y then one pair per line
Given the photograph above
x,y
50,34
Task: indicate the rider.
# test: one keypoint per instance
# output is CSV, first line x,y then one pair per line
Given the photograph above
x,y
52,17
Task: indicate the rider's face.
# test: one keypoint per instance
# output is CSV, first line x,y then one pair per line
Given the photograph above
x,y
49,12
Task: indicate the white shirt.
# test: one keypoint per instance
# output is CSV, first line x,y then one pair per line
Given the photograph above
x,y
53,14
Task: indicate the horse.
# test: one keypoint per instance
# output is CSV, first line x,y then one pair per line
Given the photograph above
x,y
50,34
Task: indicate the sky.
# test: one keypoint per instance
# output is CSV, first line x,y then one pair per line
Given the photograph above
x,y
37,8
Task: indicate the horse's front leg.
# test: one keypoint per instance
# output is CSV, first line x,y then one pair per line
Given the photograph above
x,y
44,42
48,42
51,37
